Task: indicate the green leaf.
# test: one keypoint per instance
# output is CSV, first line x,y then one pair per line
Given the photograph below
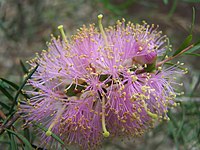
x,y
6,93
24,140
184,44
195,87
165,2
25,70
192,1
21,87
173,8
10,83
193,20
118,9
27,133
9,117
15,86
4,105
194,48
193,54
4,85
180,128
53,135
13,144
173,126
150,67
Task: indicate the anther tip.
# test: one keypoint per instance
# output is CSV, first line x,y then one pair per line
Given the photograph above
x,y
106,134
60,27
100,16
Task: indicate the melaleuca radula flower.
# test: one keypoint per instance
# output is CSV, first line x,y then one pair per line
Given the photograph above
x,y
101,83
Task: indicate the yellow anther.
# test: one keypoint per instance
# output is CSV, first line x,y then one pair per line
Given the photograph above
x,y
134,78
181,84
59,70
100,16
60,27
144,88
140,48
159,68
175,104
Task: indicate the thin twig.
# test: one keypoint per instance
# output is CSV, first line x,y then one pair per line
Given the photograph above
x,y
9,123
166,60
2,115
172,57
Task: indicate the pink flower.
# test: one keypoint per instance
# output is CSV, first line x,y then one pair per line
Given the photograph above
x,y
97,84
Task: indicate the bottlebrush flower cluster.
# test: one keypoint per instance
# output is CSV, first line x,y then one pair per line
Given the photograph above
x,y
101,83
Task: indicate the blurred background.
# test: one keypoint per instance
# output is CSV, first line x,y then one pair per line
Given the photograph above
x,y
26,25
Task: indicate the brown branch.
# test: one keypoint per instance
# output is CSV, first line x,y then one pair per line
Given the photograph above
x,y
2,115
9,123
168,59
172,57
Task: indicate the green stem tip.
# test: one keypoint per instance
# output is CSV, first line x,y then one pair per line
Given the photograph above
x,y
60,28
106,134
152,115
100,17
48,133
